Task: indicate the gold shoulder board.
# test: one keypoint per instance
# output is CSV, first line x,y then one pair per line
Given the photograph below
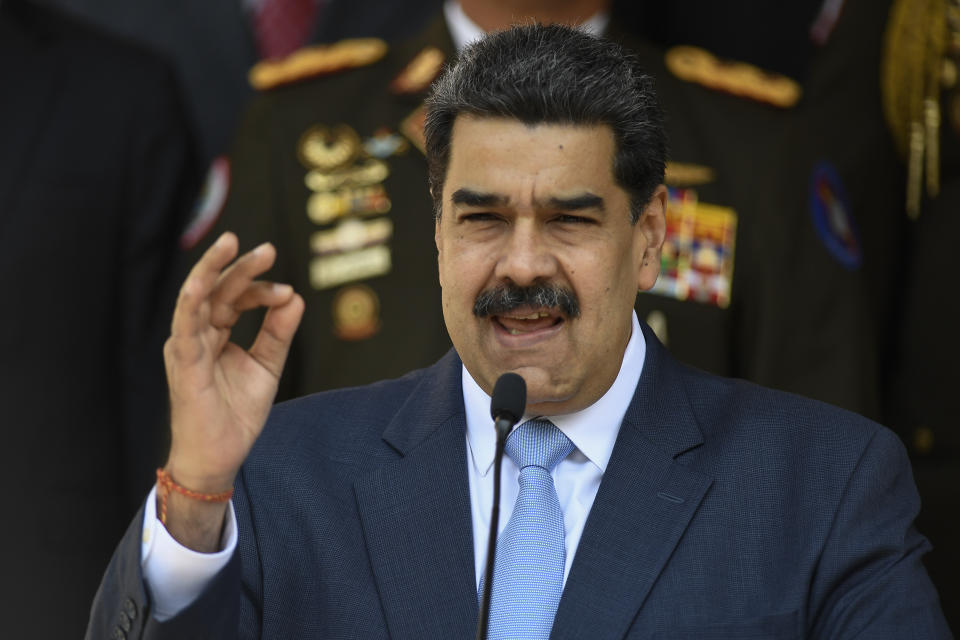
x,y
316,60
693,64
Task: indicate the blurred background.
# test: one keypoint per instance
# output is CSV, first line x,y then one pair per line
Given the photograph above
x,y
814,211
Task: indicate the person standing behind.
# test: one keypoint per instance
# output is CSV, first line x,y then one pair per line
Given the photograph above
x,y
97,173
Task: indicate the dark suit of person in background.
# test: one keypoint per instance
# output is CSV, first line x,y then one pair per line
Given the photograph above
x,y
97,175
213,44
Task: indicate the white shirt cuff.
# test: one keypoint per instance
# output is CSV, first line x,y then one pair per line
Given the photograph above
x,y
176,575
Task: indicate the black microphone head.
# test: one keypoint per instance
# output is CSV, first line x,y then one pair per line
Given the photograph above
x,y
509,398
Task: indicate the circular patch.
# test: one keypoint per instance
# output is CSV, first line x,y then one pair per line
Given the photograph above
x,y
356,313
830,210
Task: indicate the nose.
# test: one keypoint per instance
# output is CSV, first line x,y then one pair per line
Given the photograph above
x,y
526,257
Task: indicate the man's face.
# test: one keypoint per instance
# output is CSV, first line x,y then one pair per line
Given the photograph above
x,y
527,206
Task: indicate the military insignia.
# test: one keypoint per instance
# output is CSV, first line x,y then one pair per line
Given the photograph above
x,y
693,64
209,204
359,175
421,71
337,269
326,150
356,313
351,234
413,127
830,211
326,206
681,174
384,144
316,60
697,258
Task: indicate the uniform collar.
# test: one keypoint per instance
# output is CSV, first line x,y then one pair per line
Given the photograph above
x,y
593,430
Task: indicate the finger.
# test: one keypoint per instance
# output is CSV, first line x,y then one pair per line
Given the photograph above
x,y
257,294
273,341
235,280
187,317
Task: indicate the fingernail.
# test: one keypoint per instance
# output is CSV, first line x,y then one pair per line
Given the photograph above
x,y
261,248
282,288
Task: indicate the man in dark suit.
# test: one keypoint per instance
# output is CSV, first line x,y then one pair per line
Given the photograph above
x,y
674,504
96,179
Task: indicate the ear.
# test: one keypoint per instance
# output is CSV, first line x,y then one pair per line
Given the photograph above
x,y
650,232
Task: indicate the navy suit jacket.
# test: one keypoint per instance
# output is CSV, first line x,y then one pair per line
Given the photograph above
x,y
726,511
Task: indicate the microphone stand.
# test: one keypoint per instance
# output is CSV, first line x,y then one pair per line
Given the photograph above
x,y
503,426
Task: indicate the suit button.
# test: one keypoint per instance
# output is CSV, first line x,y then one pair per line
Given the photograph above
x,y
124,621
118,634
130,608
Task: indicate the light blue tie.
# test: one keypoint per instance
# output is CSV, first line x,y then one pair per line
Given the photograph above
x,y
528,572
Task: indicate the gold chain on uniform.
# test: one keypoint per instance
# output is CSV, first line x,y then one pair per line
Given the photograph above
x,y
922,44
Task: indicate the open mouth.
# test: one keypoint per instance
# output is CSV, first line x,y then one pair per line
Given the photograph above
x,y
528,321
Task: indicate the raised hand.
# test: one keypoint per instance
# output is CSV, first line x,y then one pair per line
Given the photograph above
x,y
220,394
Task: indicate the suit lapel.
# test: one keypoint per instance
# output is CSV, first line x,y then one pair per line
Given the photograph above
x,y
643,507
416,514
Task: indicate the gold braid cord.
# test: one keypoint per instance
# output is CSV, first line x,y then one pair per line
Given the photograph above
x,y
920,40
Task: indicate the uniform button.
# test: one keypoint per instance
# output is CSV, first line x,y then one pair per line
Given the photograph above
x,y
124,621
118,634
130,607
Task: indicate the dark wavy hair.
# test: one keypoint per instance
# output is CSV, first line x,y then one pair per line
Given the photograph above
x,y
553,74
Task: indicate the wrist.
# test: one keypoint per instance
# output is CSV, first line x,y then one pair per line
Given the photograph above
x,y
197,478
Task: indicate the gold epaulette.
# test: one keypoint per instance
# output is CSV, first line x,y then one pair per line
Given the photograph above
x,y
316,60
738,78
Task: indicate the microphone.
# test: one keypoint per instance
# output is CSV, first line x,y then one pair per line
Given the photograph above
x,y
506,408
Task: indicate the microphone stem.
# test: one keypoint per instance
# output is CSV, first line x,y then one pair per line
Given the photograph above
x,y
503,429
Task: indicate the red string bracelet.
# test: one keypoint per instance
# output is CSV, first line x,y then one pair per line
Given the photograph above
x,y
167,484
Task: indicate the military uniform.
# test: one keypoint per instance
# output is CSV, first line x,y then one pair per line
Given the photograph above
x,y
323,169
921,96
804,178
772,303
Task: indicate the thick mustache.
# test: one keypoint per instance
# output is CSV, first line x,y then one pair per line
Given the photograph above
x,y
505,298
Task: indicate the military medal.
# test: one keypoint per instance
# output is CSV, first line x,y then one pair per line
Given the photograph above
x,y
326,150
356,313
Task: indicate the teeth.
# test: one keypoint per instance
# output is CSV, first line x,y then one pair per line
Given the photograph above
x,y
532,316
514,332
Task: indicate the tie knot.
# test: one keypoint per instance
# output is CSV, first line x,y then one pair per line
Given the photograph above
x,y
538,443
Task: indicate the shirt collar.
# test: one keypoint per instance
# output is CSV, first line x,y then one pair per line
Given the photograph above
x,y
464,31
592,430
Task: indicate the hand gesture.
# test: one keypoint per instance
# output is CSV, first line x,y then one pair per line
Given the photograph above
x,y
220,394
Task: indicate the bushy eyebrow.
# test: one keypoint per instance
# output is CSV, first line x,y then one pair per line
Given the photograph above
x,y
576,203
472,198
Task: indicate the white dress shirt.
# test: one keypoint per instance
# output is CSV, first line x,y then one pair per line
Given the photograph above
x,y
176,575
577,477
